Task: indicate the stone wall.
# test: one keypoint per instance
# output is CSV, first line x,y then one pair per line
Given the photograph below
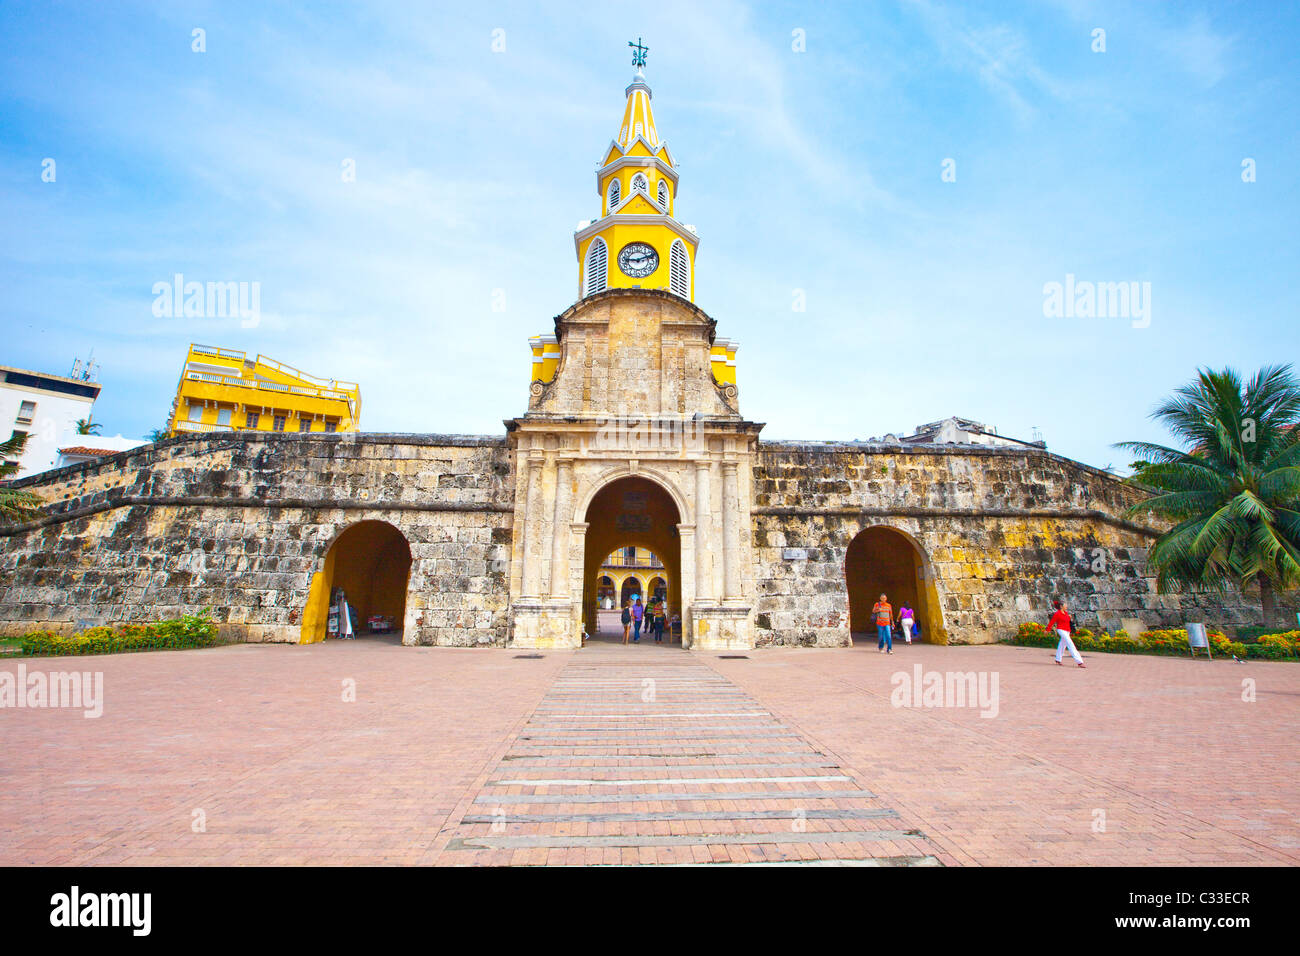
x,y
239,523
1001,531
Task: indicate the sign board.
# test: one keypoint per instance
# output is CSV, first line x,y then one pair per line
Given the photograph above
x,y
794,554
1196,637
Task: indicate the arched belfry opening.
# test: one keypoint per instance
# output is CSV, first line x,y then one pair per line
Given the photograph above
x,y
884,560
368,565
638,513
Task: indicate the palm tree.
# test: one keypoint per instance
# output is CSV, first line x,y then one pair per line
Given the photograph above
x,y
158,434
86,427
1234,494
15,505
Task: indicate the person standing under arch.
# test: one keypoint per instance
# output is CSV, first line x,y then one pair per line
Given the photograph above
x,y
906,620
627,620
884,614
638,615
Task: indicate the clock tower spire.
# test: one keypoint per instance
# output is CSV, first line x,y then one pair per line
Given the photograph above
x,y
637,242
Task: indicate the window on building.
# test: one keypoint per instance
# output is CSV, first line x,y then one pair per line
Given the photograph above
x,y
194,413
663,193
223,416
613,194
597,272
331,426
26,412
278,423
640,182
679,270
304,424
629,555
251,419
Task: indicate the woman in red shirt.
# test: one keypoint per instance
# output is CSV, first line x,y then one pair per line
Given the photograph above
x,y
1062,625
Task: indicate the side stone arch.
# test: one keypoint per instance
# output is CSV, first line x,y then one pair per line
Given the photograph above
x,y
372,558
881,555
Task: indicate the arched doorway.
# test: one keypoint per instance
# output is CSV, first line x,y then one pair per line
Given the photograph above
x,y
631,512
605,594
884,560
631,590
370,562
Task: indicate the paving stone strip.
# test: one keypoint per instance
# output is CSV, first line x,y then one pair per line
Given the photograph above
x,y
649,756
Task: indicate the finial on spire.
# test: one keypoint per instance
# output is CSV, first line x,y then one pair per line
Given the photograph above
x,y
638,53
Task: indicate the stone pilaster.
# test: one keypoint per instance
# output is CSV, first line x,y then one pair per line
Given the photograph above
x,y
532,578
560,530
703,533
730,534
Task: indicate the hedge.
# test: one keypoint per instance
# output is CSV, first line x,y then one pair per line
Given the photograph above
x,y
1275,647
1252,633
192,630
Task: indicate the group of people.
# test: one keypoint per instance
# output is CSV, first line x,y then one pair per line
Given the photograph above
x,y
886,616
637,615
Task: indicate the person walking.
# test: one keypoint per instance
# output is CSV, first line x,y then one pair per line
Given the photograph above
x,y
627,620
884,614
638,613
657,620
1064,627
906,620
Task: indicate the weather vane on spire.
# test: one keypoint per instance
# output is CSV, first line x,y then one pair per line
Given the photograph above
x,y
638,53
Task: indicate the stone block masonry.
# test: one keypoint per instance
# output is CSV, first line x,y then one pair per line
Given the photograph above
x,y
237,524
997,533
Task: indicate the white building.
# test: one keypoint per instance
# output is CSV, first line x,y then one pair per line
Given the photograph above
x,y
45,408
963,431
90,447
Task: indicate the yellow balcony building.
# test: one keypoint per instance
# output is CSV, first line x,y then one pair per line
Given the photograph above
x,y
225,390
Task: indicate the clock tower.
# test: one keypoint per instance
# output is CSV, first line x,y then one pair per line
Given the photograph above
x,y
637,241
633,437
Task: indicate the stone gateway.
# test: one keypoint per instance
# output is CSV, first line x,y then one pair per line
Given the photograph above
x,y
633,437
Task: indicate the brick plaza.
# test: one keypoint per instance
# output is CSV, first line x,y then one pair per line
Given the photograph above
x,y
250,754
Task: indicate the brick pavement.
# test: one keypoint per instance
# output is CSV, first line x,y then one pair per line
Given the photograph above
x,y
642,754
442,744
1182,769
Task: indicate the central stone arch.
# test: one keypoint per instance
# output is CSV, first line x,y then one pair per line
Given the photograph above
x,y
626,510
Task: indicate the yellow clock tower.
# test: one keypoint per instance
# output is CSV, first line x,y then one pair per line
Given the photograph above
x,y
637,243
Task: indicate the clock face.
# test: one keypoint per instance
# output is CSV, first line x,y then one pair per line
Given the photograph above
x,y
638,260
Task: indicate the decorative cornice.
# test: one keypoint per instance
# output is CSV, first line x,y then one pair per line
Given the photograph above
x,y
588,302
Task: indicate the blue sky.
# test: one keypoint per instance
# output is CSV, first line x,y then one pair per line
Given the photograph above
x,y
817,171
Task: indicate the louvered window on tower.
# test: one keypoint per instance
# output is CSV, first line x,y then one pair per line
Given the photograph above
x,y
597,267
663,194
613,194
679,270
639,182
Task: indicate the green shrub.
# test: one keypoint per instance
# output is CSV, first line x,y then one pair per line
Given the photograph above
x,y
1253,632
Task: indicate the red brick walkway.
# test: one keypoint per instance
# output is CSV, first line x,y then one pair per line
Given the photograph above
x,y
645,755
258,742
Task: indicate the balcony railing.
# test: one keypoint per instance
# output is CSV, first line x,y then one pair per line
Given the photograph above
x,y
234,381
188,426
297,373
213,350
642,563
